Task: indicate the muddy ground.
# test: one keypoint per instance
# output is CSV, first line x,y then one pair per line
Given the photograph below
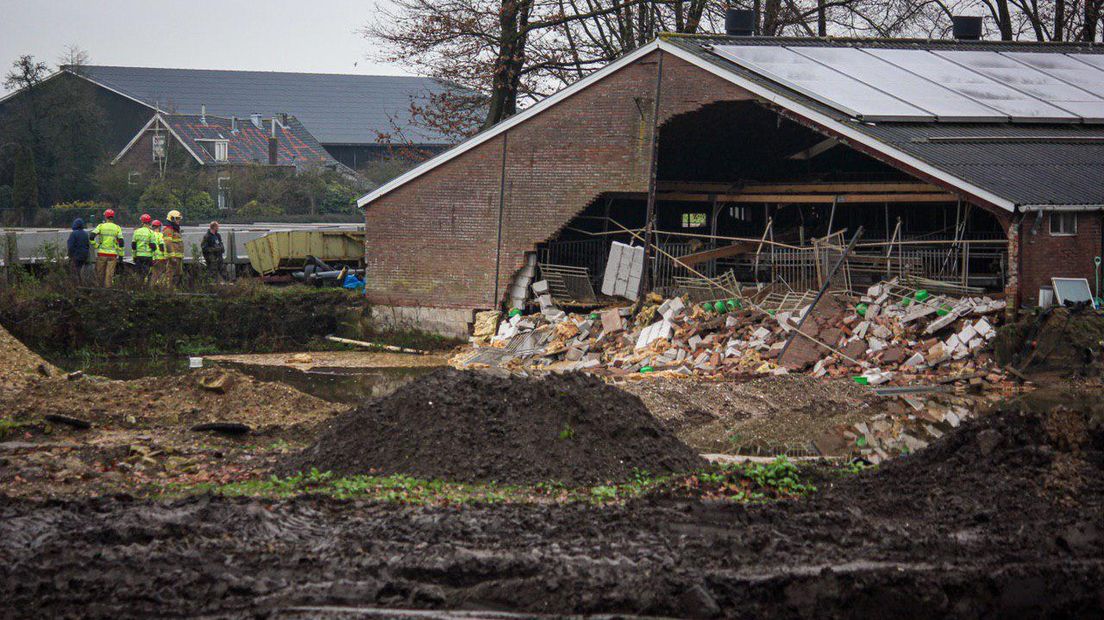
x,y
1003,518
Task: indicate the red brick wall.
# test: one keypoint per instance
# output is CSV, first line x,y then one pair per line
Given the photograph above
x,y
1044,256
432,242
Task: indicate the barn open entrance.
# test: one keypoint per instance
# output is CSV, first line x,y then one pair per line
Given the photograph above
x,y
750,196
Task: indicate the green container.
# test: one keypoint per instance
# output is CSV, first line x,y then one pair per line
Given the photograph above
x,y
861,380
719,307
861,309
943,310
594,316
905,302
921,295
708,307
514,312
738,304
731,305
647,369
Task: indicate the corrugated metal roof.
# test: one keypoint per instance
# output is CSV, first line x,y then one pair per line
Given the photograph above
x,y
1012,160
337,109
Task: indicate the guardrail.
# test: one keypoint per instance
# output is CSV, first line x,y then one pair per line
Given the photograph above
x,y
29,246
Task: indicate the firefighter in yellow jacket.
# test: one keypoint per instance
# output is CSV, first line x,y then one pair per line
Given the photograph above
x,y
107,239
141,247
157,270
174,248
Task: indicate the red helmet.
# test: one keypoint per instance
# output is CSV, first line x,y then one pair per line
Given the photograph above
x,y
145,218
109,213
156,223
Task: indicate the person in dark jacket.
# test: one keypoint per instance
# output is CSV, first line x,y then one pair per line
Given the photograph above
x,y
213,251
79,249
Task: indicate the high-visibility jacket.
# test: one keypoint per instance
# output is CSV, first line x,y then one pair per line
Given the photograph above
x,y
142,242
174,243
158,241
109,239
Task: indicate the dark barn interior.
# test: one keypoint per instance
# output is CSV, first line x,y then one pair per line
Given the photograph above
x,y
774,200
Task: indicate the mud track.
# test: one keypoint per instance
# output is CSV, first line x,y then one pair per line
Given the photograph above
x,y
826,558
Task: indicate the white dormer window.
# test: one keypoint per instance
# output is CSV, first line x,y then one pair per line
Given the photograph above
x,y
222,150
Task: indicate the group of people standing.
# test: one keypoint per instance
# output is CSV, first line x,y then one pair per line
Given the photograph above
x,y
158,250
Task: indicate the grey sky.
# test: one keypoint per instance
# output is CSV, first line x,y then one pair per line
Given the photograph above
x,y
269,35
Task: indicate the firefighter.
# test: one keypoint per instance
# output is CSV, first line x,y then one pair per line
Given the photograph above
x,y
174,248
157,272
141,245
107,239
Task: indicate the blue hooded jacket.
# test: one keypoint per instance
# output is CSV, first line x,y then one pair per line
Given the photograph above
x,y
78,241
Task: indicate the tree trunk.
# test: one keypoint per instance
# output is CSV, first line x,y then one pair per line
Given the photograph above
x,y
1092,16
822,19
513,20
1059,20
1004,20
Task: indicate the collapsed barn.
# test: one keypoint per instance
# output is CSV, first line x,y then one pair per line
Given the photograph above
x,y
970,166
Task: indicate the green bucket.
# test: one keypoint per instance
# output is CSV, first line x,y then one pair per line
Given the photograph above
x,y
861,309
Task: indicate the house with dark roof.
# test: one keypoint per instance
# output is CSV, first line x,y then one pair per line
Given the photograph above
x,y
224,147
356,118
969,165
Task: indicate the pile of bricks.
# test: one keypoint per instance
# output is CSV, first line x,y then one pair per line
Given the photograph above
x,y
883,337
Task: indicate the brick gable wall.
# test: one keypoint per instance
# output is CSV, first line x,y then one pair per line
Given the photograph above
x,y
433,241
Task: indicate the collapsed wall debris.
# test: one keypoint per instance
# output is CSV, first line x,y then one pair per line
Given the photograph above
x,y
890,335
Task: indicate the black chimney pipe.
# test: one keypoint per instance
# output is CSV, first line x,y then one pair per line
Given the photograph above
x,y
273,145
739,22
966,28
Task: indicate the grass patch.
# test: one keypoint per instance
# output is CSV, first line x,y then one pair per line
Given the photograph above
x,y
9,427
752,482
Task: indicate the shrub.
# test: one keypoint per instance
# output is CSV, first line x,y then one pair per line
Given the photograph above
x,y
159,199
255,208
200,206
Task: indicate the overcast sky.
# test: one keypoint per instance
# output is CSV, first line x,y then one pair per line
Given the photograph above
x,y
267,35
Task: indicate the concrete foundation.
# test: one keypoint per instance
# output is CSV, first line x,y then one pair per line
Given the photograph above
x,y
449,322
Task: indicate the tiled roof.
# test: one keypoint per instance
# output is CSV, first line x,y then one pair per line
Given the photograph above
x,y
338,109
248,144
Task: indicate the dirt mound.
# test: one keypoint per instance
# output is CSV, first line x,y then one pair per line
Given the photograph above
x,y
471,426
20,366
209,395
1039,457
1058,341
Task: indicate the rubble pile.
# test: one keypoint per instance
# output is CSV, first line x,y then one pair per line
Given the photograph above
x,y
890,335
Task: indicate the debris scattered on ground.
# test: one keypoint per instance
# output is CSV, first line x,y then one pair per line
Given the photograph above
x,y
891,335
469,426
21,366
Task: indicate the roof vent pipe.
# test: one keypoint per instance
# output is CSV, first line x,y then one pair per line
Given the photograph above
x,y
966,28
273,145
233,124
203,114
739,22
256,120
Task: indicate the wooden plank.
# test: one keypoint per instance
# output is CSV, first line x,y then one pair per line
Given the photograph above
x,y
795,188
722,252
807,198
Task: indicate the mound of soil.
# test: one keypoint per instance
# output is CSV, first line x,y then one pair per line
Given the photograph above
x,y
208,395
20,366
471,426
1034,463
1057,342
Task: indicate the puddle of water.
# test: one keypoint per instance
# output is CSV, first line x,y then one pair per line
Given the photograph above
x,y
336,385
